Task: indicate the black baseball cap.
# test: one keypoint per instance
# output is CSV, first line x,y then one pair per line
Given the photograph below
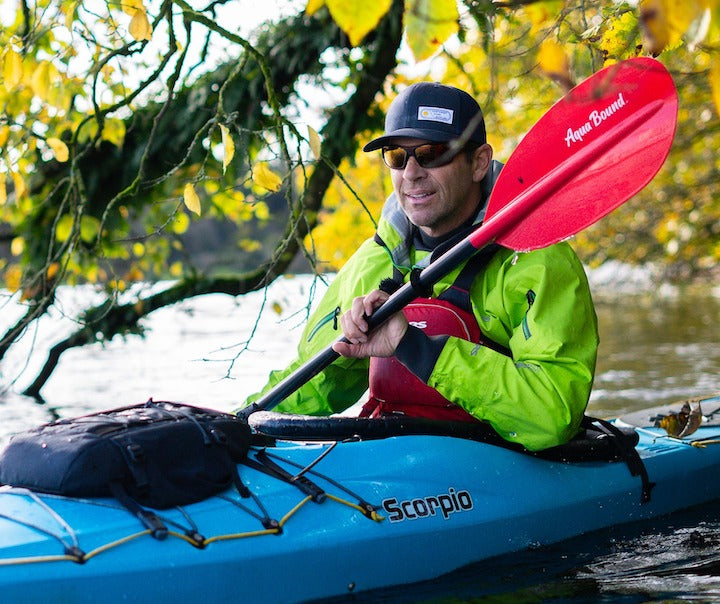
x,y
432,112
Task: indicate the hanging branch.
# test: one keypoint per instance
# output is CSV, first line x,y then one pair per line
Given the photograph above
x,y
107,320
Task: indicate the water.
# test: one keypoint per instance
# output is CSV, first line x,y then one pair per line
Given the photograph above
x,y
658,345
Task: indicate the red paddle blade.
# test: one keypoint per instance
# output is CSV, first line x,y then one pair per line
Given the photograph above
x,y
593,150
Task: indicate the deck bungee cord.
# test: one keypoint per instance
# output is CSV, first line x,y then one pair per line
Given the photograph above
x,y
63,532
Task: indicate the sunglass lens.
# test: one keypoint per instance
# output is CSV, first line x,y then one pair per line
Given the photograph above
x,y
395,157
428,155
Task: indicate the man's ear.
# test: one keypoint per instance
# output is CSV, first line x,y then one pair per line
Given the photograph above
x,y
481,159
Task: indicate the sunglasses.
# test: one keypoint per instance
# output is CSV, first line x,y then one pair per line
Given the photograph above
x,y
428,155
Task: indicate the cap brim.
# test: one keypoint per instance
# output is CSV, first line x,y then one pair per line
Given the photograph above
x,y
426,135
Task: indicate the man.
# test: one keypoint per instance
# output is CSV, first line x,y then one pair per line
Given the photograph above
x,y
509,338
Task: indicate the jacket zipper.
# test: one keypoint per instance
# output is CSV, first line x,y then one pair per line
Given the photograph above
x,y
530,296
331,316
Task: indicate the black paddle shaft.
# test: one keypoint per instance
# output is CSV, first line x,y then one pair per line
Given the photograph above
x,y
430,275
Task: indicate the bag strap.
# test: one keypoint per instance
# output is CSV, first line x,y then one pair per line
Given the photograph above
x,y
626,449
149,519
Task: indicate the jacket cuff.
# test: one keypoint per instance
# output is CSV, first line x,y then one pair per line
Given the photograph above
x,y
419,352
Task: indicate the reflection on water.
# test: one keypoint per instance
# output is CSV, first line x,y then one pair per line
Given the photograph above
x,y
655,350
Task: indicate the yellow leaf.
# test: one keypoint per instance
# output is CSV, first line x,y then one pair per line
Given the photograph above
x,y
428,25
13,277
20,186
313,6
70,15
117,285
138,249
3,191
664,22
17,246
4,135
176,269
554,62
715,84
130,7
53,270
228,146
140,28
314,140
59,149
40,80
12,69
191,199
266,178
114,131
181,223
357,19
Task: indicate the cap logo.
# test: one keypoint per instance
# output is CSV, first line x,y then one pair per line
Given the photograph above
x,y
435,114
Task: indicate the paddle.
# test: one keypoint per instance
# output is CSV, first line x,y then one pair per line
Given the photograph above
x,y
594,149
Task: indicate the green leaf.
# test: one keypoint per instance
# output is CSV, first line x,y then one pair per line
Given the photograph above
x,y
429,24
64,228
89,228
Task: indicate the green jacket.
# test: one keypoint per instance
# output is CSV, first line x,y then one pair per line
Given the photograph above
x,y
537,304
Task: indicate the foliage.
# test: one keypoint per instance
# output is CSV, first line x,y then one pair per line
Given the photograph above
x,y
127,127
518,59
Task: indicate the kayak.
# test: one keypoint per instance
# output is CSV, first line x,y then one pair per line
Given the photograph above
x,y
346,505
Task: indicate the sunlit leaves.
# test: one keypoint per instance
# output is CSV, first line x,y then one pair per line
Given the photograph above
x,y
314,140
191,199
313,6
620,37
20,186
428,25
553,61
180,223
715,84
12,69
13,278
140,28
264,177
40,81
228,146
59,149
17,246
356,19
664,22
89,227
346,223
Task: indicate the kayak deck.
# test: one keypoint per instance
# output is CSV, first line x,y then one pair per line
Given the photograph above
x,y
389,511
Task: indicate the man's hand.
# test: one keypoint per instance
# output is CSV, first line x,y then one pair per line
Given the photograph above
x,y
382,342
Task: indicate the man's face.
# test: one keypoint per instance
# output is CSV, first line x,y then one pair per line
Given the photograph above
x,y
437,200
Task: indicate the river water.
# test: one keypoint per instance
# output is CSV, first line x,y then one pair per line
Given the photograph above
x,y
659,344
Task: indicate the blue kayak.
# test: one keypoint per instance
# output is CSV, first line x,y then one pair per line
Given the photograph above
x,y
342,505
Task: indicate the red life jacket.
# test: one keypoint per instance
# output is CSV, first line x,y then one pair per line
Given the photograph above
x,y
394,389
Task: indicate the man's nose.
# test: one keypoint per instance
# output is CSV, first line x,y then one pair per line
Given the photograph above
x,y
413,170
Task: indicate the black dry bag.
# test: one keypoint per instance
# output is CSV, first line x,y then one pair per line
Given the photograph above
x,y
156,454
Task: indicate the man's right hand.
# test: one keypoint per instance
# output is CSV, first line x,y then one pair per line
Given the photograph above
x,y
382,342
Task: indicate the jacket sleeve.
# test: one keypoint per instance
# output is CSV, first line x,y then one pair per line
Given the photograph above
x,y
343,383
538,305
